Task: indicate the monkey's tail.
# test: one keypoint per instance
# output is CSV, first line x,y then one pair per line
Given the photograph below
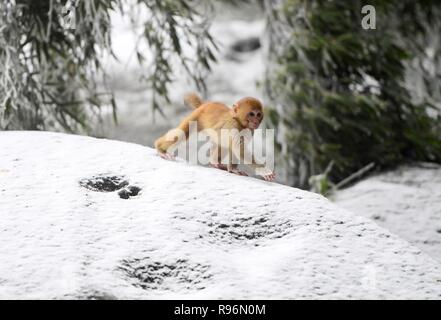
x,y
192,100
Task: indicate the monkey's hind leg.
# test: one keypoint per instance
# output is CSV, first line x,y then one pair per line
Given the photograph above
x,y
232,168
162,145
238,172
172,138
215,157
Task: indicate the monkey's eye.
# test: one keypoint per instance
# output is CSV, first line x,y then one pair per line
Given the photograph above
x,y
255,114
258,114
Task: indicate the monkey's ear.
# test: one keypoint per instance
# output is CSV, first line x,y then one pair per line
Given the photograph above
x,y
235,107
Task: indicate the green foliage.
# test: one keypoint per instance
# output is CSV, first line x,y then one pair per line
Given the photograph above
x,y
171,25
46,68
340,90
49,69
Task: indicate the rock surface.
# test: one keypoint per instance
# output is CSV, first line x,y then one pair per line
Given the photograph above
x,y
406,201
189,232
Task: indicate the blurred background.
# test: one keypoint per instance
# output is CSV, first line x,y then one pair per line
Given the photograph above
x,y
346,99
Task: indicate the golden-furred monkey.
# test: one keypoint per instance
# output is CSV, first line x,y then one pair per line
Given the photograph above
x,y
247,113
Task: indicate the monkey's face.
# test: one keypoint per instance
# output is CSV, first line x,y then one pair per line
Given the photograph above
x,y
249,112
254,118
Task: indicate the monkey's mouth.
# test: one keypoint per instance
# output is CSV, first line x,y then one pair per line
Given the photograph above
x,y
253,125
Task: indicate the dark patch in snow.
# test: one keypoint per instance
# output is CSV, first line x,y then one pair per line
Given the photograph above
x,y
247,228
130,191
134,190
104,183
124,194
246,45
91,294
154,275
378,217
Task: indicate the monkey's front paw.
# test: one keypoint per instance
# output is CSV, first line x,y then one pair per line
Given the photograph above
x,y
266,174
270,177
167,156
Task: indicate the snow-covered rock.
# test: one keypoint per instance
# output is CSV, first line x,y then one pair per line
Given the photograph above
x,y
406,201
172,230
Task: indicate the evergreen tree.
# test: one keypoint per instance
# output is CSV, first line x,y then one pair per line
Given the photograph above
x,y
51,57
339,92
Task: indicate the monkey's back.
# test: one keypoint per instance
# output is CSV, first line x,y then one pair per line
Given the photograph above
x,y
210,113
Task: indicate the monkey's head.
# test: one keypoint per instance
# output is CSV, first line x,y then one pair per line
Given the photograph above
x,y
249,112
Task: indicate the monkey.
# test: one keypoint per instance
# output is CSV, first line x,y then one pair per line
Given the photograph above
x,y
247,113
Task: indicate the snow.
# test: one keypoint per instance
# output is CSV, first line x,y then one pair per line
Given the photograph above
x,y
406,201
191,232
